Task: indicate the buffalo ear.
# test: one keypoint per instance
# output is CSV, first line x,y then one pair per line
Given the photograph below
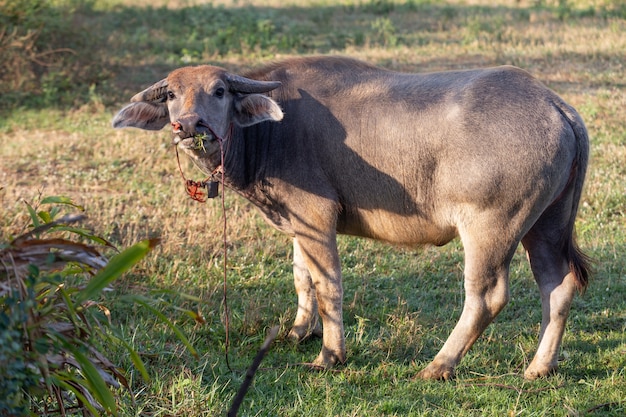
x,y
143,115
251,109
156,93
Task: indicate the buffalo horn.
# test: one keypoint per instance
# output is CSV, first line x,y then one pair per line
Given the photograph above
x,y
155,93
239,84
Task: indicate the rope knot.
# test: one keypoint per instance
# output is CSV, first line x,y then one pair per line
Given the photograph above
x,y
200,191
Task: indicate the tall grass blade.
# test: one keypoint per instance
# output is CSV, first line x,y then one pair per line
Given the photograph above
x,y
145,303
119,264
84,233
33,215
61,200
73,387
134,357
98,387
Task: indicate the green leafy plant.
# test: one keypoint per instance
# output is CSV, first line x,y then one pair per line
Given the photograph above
x,y
52,324
385,32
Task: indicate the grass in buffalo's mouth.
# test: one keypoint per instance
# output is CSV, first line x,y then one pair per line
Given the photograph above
x,y
199,141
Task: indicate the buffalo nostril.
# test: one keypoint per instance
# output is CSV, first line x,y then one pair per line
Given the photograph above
x,y
187,124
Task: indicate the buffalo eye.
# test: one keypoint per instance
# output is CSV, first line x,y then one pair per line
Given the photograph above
x,y
171,95
219,92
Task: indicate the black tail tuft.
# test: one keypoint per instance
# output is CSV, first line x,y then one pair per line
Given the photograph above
x,y
580,265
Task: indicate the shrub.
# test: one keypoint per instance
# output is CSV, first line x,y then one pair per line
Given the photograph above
x,y
52,324
41,48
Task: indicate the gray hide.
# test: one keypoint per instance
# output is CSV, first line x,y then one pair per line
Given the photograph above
x,y
329,145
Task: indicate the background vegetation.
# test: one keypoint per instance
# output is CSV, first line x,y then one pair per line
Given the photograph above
x,y
68,65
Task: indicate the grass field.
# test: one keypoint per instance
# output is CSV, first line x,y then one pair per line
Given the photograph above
x,y
400,305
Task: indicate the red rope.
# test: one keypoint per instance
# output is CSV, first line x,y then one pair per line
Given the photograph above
x,y
196,190
199,191
224,234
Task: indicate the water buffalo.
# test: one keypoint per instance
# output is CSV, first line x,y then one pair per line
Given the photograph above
x,y
327,145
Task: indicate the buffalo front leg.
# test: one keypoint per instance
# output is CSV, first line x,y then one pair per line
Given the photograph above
x,y
306,322
486,294
319,253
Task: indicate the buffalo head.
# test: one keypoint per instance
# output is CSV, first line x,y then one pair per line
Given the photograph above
x,y
200,103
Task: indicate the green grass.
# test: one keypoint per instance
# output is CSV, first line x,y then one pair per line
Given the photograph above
x,y
400,305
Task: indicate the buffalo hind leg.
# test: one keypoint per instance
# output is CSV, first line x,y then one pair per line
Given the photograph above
x,y
307,318
486,294
557,286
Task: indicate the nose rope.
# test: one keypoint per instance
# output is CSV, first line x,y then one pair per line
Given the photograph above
x,y
194,190
200,191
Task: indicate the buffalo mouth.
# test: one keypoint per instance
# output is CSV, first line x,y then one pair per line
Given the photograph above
x,y
195,142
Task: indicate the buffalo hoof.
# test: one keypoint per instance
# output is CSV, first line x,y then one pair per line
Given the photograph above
x,y
537,371
327,359
437,372
299,334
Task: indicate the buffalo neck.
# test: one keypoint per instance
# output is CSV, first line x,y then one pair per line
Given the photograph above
x,y
246,156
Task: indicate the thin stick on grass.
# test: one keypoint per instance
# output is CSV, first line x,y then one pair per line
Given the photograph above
x,y
243,389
